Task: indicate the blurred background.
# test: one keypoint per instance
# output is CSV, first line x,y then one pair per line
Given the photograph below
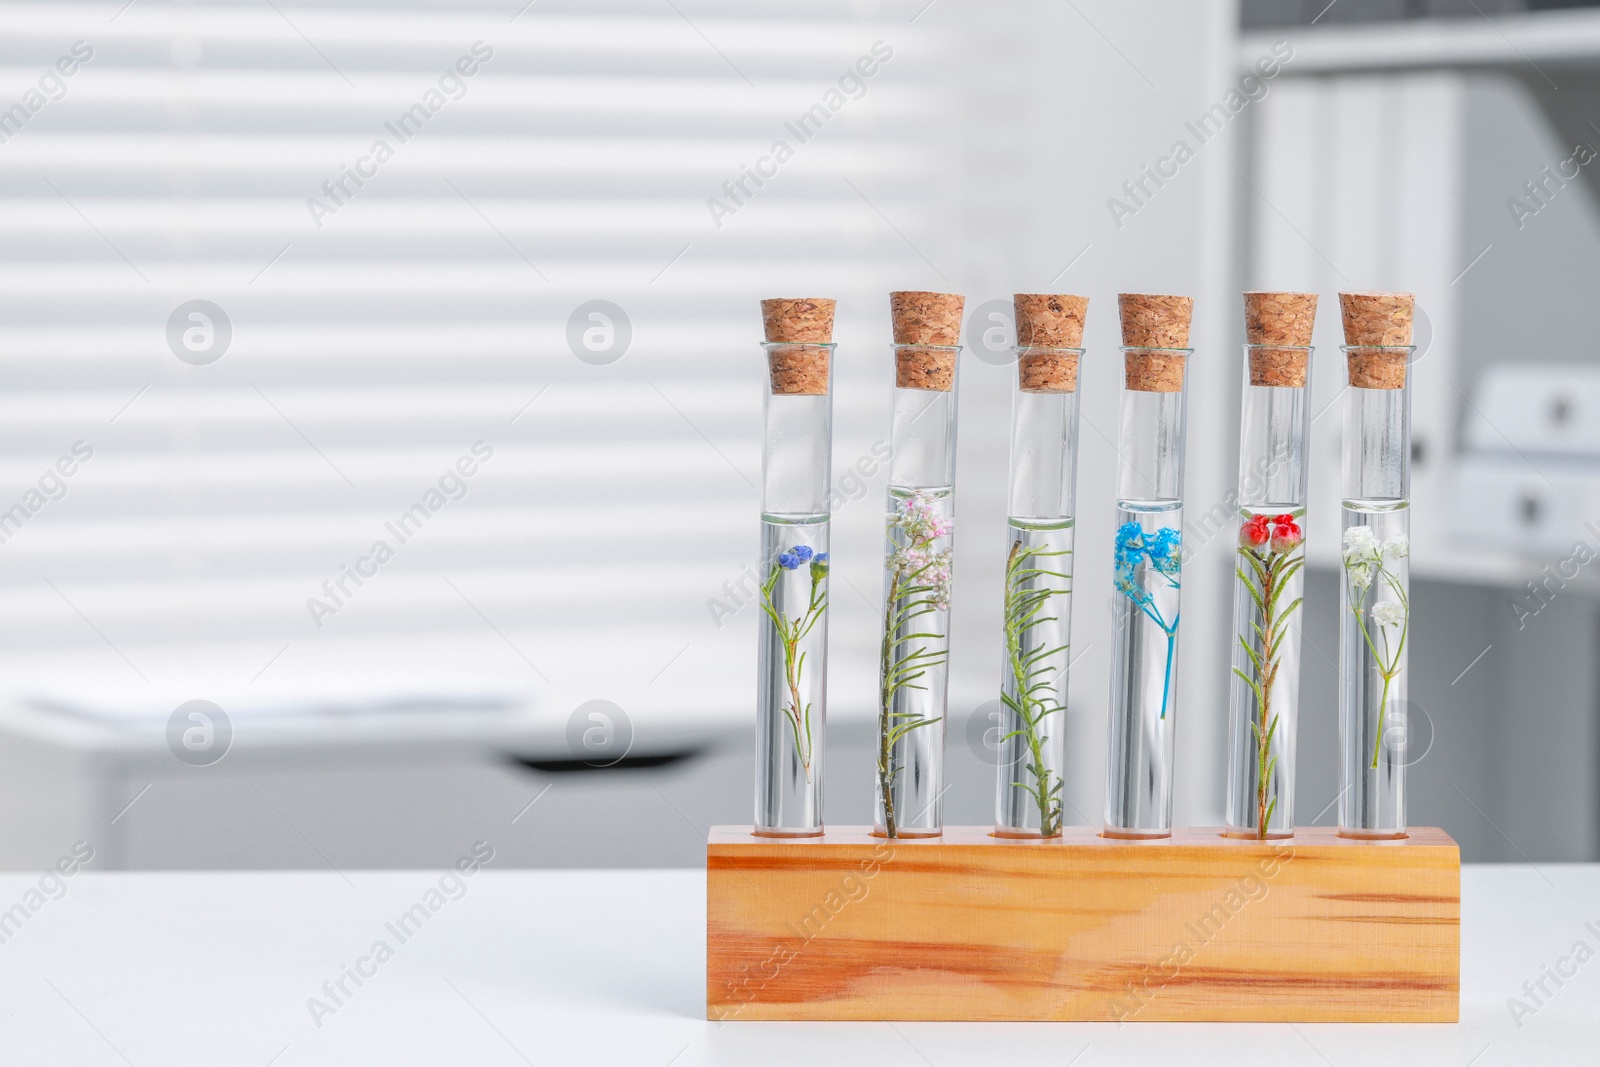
x,y
380,393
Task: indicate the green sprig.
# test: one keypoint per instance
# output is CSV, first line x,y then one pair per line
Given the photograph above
x,y
1270,574
791,631
1030,697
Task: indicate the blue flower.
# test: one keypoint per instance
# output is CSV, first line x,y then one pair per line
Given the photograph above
x,y
822,557
801,552
788,560
1130,547
1165,550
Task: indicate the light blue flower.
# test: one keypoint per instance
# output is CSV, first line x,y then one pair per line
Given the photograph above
x,y
1130,546
1162,548
1166,547
801,552
788,560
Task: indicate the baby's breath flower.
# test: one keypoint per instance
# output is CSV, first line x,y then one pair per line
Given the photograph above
x,y
1389,613
1358,537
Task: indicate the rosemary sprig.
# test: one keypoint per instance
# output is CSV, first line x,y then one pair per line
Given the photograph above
x,y
1030,696
1273,559
918,587
907,600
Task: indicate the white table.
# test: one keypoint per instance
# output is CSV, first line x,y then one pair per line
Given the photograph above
x,y
584,967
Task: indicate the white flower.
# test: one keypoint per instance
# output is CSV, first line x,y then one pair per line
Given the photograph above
x,y
1358,538
1389,613
1397,546
1360,576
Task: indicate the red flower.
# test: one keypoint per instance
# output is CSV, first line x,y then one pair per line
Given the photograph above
x,y
1286,533
1256,532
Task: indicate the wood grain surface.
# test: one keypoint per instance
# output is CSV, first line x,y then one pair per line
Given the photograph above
x,y
1193,927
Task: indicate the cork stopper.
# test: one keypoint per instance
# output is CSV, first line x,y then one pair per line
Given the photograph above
x,y
1154,322
1382,320
1047,323
807,325
1050,321
927,326
923,367
926,318
1047,370
1279,318
1376,318
1377,368
798,320
798,370
1280,367
1279,325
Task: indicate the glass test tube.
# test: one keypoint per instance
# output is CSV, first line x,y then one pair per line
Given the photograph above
x,y
1149,548
1037,608
915,649
1269,580
793,666
1374,591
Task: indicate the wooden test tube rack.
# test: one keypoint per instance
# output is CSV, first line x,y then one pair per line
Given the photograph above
x,y
1195,927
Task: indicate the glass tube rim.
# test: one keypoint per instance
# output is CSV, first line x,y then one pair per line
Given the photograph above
x,y
1020,349
1152,348
1408,349
1295,348
937,348
770,345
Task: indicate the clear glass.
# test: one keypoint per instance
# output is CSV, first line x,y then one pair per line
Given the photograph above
x,y
1145,608
1150,447
914,655
1273,423
1044,453
1037,620
1374,607
922,433
791,705
1268,589
797,442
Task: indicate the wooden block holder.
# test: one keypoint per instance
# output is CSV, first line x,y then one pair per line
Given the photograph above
x,y
1195,927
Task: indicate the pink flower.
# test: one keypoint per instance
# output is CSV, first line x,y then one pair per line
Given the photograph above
x,y
1255,532
1286,535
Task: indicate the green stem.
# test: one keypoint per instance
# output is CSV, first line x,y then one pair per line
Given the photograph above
x,y
902,673
1266,582
886,702
1388,666
1383,707
1268,627
790,632
1023,608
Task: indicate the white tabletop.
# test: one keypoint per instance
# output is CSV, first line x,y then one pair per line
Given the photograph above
x,y
598,967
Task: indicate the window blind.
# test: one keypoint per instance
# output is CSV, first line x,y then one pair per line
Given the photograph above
x,y
392,322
